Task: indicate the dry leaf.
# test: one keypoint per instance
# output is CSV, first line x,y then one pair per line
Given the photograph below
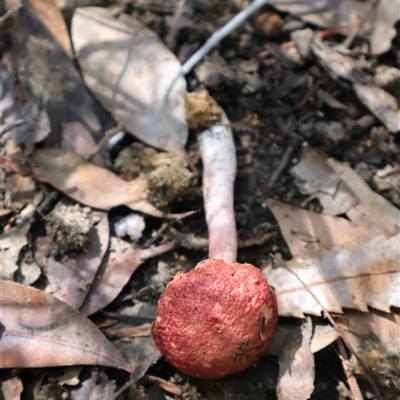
x,y
12,388
29,273
141,352
12,242
323,335
40,331
357,324
307,232
373,210
70,279
131,72
351,276
22,189
36,125
82,181
296,365
77,139
115,272
315,177
375,336
46,69
71,376
381,103
363,205
378,27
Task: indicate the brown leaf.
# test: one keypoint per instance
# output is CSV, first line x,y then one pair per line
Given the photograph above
x,y
352,276
70,279
307,232
131,71
314,176
12,388
116,271
357,324
22,190
375,336
373,211
88,184
46,69
40,331
296,365
77,139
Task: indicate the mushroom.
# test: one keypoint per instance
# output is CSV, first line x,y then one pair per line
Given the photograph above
x,y
218,318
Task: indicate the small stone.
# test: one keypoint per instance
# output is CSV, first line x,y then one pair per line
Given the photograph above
x,y
268,24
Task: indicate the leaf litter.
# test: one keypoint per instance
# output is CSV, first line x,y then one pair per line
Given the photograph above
x,y
311,236
41,331
115,55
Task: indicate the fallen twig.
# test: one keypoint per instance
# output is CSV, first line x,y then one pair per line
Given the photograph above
x,y
107,136
220,34
351,379
7,127
170,39
10,12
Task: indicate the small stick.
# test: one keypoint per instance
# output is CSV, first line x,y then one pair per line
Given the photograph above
x,y
220,34
282,165
309,94
359,23
10,12
11,125
107,136
351,379
170,39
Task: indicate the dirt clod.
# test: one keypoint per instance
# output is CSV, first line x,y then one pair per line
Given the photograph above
x,y
202,111
163,178
68,226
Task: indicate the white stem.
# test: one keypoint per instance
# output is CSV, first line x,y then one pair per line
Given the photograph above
x,y
219,169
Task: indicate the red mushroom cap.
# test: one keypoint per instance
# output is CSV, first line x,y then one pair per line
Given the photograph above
x,y
215,320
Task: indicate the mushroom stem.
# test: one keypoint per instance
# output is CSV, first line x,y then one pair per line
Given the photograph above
x,y
219,169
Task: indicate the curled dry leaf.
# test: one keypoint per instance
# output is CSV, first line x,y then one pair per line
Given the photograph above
x,y
323,335
351,276
12,388
116,271
70,279
296,365
381,103
133,74
39,330
12,242
378,27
